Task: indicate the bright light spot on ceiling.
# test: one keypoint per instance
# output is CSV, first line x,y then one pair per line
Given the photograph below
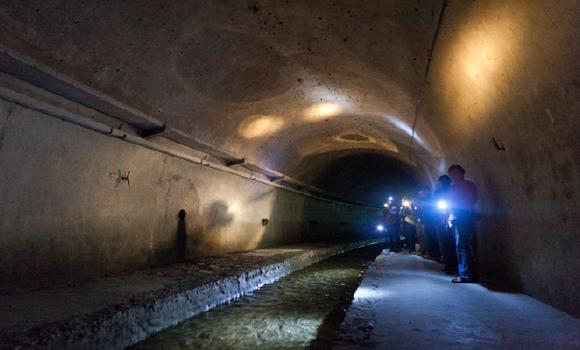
x,y
234,208
479,62
322,111
401,126
319,145
260,126
408,130
484,59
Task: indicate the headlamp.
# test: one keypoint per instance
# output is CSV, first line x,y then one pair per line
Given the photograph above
x,y
406,203
380,228
442,205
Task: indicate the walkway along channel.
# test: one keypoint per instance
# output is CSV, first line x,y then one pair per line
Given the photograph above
x,y
407,302
116,312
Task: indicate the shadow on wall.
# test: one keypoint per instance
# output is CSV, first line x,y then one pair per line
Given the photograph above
x,y
177,249
178,226
181,236
217,216
493,244
283,224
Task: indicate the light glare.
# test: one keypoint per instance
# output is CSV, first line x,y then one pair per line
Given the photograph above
x,y
370,293
260,126
321,111
442,205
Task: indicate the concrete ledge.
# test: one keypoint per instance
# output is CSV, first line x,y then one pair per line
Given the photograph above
x,y
123,324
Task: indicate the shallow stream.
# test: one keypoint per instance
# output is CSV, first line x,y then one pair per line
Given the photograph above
x,y
301,311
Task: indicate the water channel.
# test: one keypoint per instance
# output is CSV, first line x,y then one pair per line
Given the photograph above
x,y
302,311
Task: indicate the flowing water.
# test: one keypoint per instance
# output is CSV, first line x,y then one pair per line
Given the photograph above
x,y
301,311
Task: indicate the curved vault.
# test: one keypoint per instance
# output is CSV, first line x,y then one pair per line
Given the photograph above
x,y
295,84
273,82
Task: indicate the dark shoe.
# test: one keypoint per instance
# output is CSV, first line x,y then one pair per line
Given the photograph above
x,y
461,280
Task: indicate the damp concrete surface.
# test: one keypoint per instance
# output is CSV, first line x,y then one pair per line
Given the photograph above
x,y
118,311
405,302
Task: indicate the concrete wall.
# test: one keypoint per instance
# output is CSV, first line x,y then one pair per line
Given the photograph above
x,y
507,70
67,213
502,69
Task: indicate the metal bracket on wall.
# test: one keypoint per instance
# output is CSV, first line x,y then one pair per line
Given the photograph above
x,y
44,77
48,79
268,173
499,146
236,162
152,132
275,178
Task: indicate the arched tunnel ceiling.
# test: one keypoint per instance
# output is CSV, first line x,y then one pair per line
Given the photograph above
x,y
320,89
366,176
284,82
273,81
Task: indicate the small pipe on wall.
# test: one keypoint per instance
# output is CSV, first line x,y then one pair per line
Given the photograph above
x,y
55,112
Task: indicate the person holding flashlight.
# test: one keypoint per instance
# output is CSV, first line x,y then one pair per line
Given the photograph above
x,y
444,235
427,224
463,196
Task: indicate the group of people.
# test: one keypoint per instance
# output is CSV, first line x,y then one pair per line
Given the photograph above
x,y
439,223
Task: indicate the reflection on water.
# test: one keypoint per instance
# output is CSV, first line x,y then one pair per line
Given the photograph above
x,y
300,311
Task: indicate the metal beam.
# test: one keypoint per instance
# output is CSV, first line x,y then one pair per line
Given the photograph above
x,y
190,141
47,79
266,172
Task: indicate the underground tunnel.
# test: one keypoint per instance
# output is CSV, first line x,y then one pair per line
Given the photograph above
x,y
189,174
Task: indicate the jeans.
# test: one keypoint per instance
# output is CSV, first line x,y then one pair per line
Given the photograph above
x,y
448,248
410,234
464,231
431,241
394,237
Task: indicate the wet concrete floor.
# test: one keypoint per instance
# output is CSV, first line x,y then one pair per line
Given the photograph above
x,y
406,302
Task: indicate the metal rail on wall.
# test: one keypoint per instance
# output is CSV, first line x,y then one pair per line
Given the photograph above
x,y
36,74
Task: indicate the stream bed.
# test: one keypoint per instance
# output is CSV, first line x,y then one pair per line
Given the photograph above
x,y
301,311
